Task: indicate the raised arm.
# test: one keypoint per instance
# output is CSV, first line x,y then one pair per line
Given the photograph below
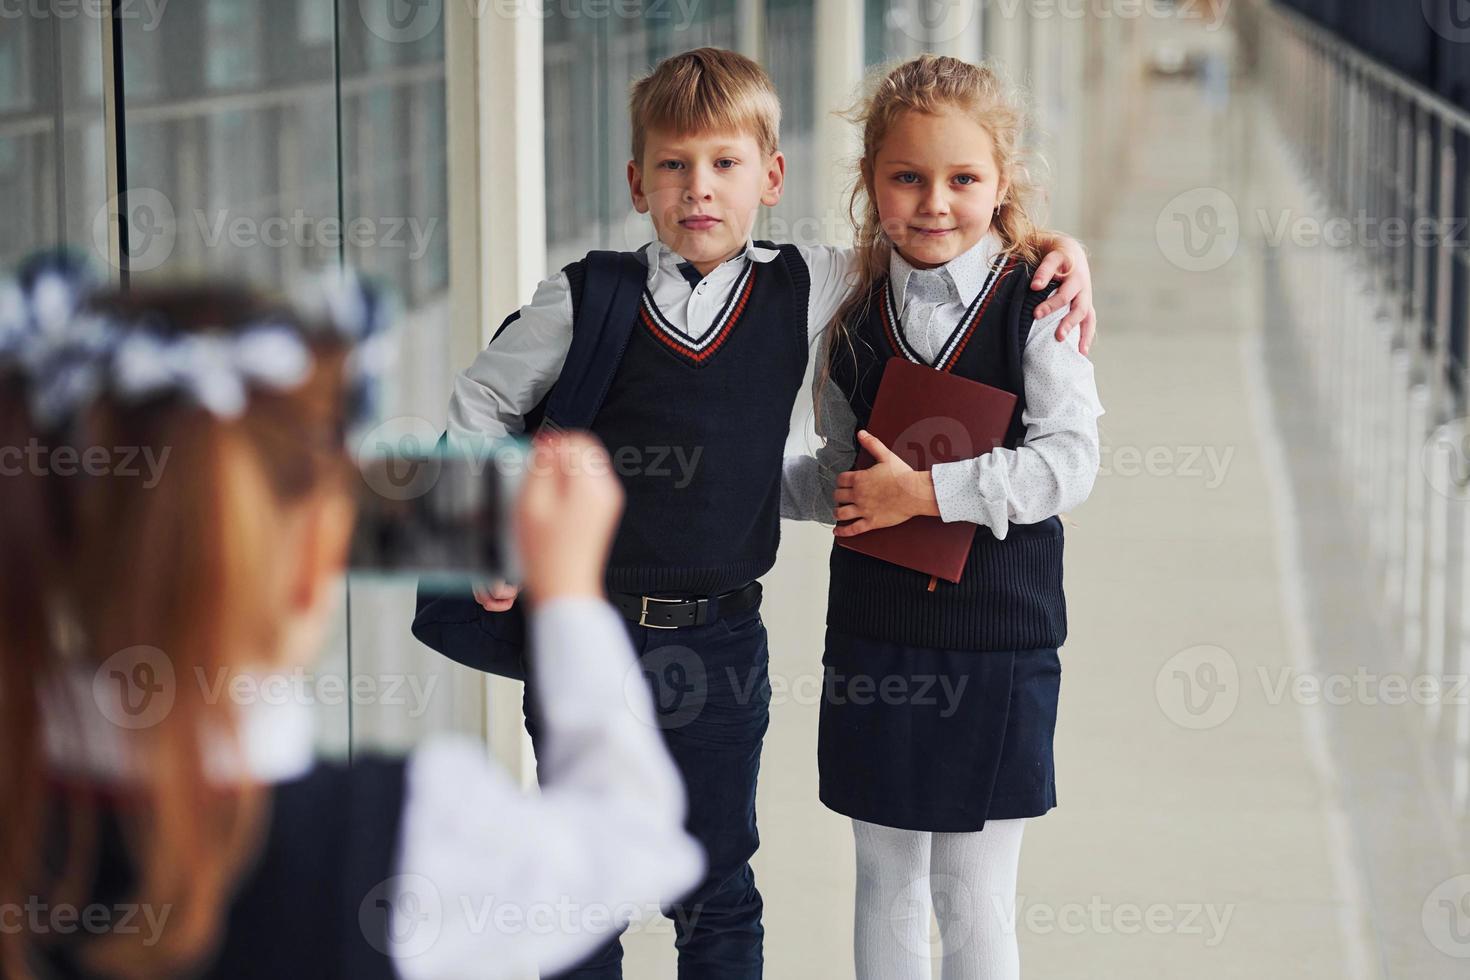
x,y
523,882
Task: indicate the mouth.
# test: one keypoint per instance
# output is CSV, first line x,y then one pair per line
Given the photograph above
x,y
699,222
932,232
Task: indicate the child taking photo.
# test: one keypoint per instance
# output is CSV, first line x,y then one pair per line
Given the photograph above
x,y
939,785
129,786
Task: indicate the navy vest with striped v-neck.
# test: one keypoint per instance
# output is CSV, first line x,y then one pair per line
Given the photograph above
x,y
696,429
1009,596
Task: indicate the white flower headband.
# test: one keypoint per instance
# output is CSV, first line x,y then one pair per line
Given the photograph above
x,y
71,354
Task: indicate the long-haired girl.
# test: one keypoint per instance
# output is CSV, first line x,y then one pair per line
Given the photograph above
x,y
160,822
940,699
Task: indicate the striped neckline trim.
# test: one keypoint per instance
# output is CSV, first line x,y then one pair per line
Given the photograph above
x,y
959,338
701,348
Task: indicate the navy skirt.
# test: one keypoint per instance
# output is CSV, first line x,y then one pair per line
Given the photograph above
x,y
938,740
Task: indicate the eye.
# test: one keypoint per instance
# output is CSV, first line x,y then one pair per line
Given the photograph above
x,y
966,179
670,164
904,178
725,163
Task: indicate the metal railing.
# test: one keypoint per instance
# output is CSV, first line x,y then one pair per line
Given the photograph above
x,y
1387,164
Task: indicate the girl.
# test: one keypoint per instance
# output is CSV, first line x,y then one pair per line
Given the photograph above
x,y
159,820
939,705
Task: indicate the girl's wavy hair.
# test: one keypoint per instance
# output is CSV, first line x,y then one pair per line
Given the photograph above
x,y
929,83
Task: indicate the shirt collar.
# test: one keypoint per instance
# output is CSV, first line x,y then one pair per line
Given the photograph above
x,y
966,271
88,733
660,258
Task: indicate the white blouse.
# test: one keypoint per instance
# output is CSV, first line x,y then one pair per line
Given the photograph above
x,y
1051,471
490,881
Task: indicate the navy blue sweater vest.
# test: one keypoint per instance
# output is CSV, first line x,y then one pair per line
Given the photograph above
x,y
314,901
1009,596
697,432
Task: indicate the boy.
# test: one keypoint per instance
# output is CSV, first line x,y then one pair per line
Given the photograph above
x,y
695,420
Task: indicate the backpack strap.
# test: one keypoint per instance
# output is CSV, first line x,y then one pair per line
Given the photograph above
x,y
606,290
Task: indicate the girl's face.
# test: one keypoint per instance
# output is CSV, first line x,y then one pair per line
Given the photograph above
x,y
936,184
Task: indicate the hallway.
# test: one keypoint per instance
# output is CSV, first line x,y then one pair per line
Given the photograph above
x,y
1189,633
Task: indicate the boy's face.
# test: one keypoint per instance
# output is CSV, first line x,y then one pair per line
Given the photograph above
x,y
703,191
936,185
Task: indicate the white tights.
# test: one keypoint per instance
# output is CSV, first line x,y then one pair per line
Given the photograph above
x,y
968,880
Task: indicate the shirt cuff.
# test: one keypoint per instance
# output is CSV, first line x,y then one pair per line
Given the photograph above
x,y
959,489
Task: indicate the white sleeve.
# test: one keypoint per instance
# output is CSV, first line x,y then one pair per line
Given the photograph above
x,y
490,875
1053,469
833,272
808,481
515,370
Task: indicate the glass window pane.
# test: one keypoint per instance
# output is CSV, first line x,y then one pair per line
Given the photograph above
x,y
231,169
395,202
53,175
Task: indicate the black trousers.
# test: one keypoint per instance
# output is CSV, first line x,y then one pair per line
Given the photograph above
x,y
711,692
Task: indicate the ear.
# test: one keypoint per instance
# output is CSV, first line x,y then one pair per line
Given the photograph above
x,y
775,180
635,187
1000,193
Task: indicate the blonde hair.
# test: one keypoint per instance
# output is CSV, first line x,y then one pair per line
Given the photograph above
x,y
706,90
927,84
185,566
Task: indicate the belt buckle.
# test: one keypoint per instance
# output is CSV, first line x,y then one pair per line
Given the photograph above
x,y
643,614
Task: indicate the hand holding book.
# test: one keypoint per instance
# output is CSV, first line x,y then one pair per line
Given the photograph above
x,y
887,493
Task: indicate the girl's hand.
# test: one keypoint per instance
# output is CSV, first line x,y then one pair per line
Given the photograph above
x,y
1066,260
497,596
566,516
888,492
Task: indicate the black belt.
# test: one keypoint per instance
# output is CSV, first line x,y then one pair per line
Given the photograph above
x,y
668,614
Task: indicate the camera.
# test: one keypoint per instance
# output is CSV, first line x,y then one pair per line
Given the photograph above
x,y
443,516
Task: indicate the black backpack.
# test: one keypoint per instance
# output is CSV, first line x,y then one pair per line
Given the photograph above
x,y
606,288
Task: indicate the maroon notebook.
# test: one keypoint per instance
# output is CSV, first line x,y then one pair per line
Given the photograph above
x,y
926,417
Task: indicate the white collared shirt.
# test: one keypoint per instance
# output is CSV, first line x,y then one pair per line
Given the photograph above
x,y
1052,470
604,839
514,372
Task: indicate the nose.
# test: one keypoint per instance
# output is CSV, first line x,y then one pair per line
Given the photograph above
x,y
699,186
934,201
